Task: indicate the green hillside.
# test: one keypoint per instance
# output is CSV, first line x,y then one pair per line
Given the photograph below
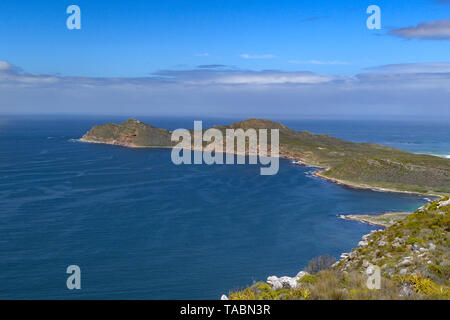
x,y
413,256
365,165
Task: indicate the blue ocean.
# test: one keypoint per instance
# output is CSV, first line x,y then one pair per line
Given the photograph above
x,y
140,227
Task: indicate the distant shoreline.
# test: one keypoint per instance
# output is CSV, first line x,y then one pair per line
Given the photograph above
x,y
367,187
281,156
382,219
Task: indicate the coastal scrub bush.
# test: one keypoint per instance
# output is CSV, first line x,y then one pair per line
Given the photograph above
x,y
428,271
299,294
246,294
412,240
426,286
320,263
263,291
308,278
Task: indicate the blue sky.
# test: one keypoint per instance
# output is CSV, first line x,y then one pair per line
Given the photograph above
x,y
306,42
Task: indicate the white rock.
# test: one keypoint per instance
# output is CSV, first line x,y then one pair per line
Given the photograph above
x,y
344,256
283,282
224,297
432,246
443,203
286,282
274,282
403,271
363,244
405,262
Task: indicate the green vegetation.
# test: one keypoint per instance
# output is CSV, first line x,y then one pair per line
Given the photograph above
x,y
319,263
131,133
412,253
363,165
384,219
413,256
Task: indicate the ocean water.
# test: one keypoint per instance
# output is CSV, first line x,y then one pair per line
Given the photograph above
x,y
140,227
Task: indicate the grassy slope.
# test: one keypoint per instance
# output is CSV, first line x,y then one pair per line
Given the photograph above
x,y
370,165
413,254
131,133
384,219
358,164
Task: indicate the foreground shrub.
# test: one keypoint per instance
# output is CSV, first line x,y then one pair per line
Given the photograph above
x,y
320,263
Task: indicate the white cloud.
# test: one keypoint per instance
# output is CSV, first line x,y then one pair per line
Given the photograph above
x,y
275,78
5,66
257,56
433,30
406,89
211,76
319,62
425,67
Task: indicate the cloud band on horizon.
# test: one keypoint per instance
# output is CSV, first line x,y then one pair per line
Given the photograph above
x,y
404,89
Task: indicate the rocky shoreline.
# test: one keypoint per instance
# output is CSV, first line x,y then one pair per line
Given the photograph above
x,y
411,256
382,220
367,187
357,165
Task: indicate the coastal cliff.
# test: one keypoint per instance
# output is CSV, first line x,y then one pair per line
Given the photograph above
x,y
361,165
412,256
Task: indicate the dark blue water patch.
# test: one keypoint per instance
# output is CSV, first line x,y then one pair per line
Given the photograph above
x,y
142,228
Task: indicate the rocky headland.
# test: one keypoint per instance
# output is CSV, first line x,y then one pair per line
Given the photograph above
x,y
360,165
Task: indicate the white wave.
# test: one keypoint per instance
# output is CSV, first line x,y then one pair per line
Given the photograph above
x,y
447,156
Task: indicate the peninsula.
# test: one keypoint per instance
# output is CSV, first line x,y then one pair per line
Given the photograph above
x,y
383,220
411,254
361,165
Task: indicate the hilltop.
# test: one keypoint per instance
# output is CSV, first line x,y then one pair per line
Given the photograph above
x,y
413,256
131,133
364,165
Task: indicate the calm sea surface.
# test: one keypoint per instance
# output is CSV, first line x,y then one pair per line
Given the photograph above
x,y
140,227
